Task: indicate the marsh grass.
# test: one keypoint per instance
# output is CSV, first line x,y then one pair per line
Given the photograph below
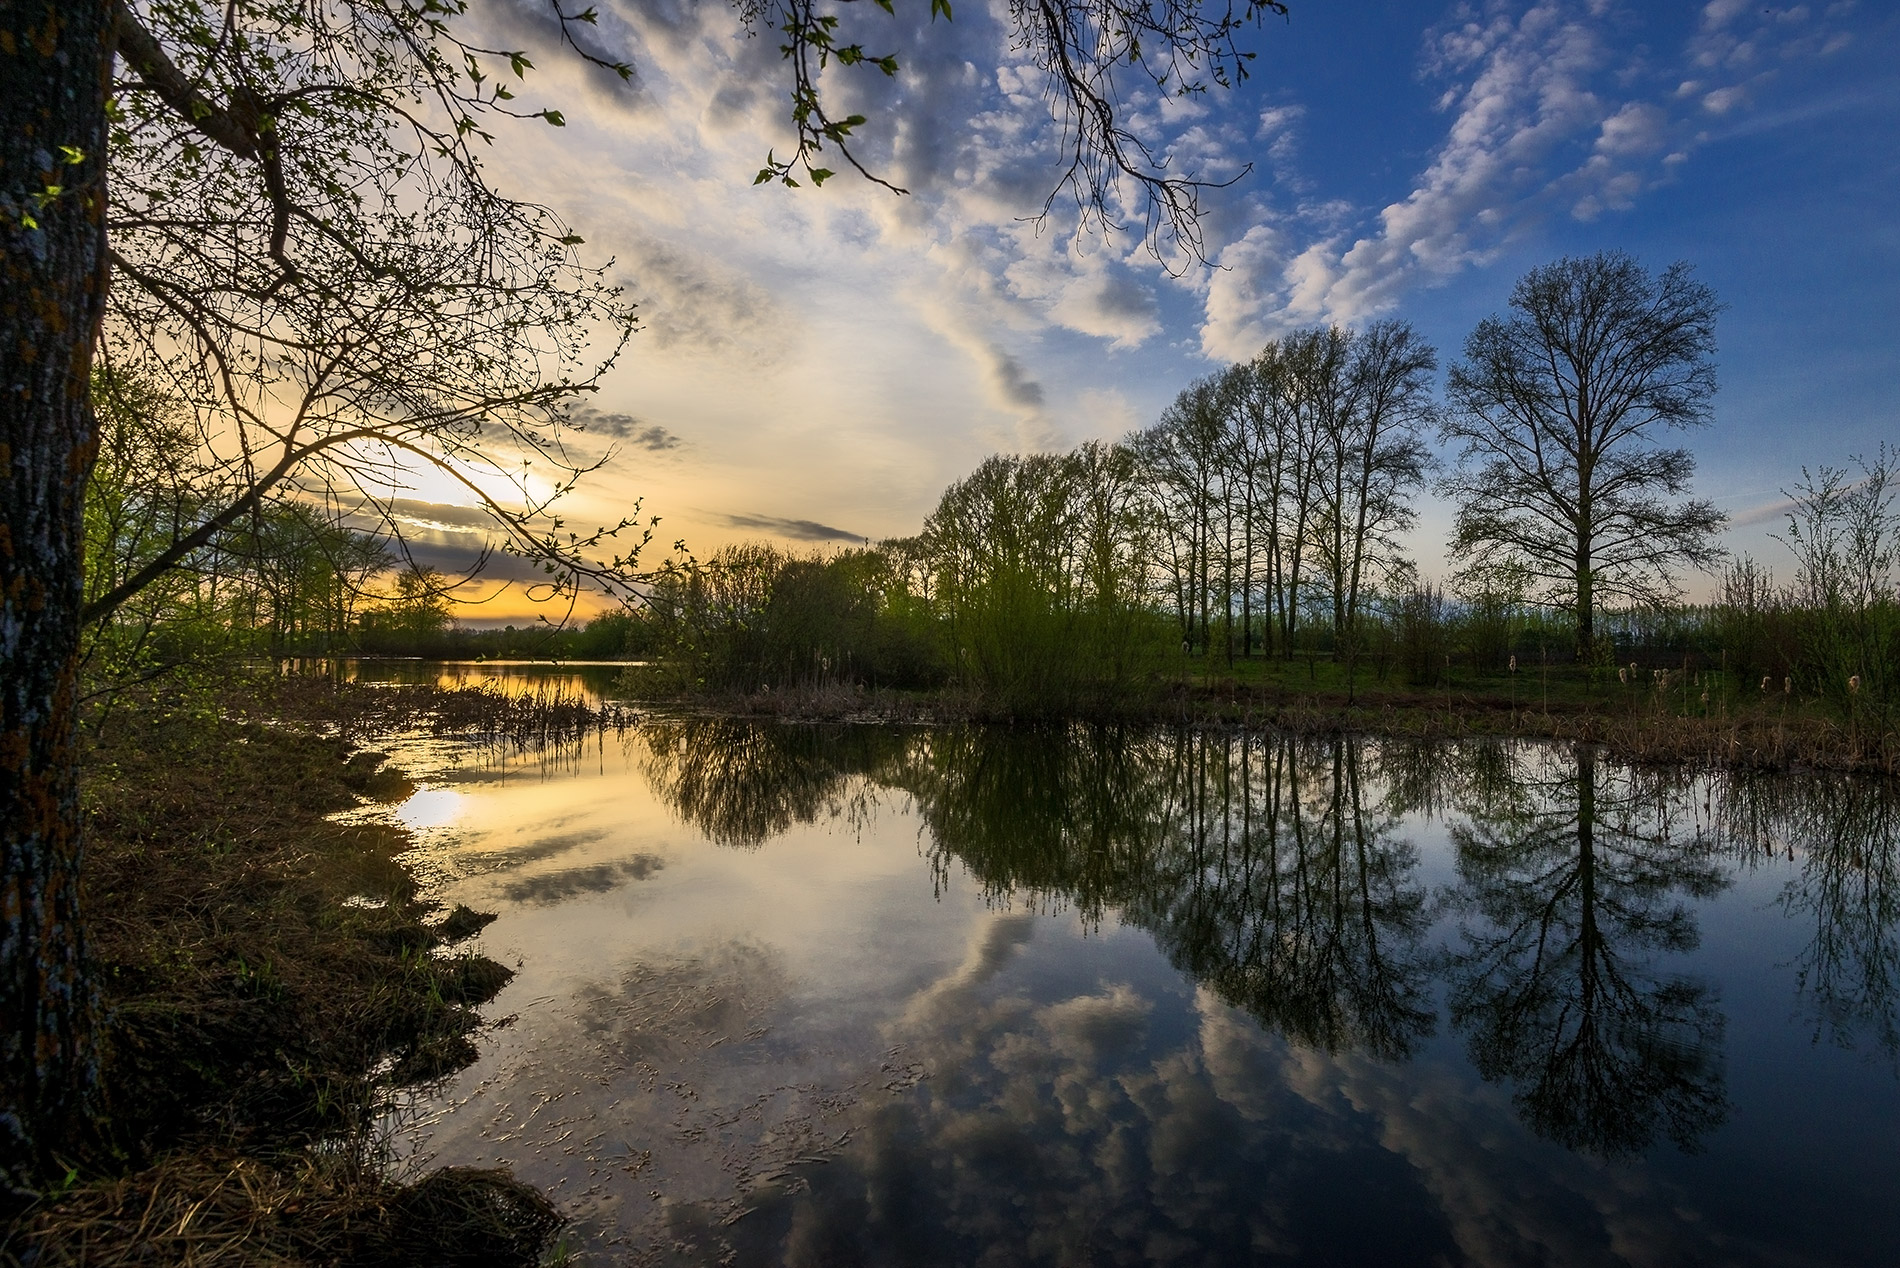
x,y
269,976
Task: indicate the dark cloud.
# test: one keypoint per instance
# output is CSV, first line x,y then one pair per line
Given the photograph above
x,y
690,300
441,516
1009,378
636,432
797,530
535,28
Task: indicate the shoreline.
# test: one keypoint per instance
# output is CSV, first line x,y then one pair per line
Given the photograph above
x,y
270,972
1756,739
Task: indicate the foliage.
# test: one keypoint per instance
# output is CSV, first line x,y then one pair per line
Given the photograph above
x,y
753,616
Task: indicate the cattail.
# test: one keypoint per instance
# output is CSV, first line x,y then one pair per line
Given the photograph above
x,y
1787,686
1705,697
1513,664
1853,685
1623,675
1764,684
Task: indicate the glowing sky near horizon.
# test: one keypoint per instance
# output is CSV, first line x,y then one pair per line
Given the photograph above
x,y
816,365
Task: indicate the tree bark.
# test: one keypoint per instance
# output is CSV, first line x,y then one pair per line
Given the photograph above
x,y
55,62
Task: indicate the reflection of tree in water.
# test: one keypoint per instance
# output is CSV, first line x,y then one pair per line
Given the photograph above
x,y
1579,884
1280,888
743,783
1261,865
1269,868
1847,832
1062,815
1257,863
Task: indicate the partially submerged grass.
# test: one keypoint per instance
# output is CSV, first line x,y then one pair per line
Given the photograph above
x,y
208,1207
544,716
269,974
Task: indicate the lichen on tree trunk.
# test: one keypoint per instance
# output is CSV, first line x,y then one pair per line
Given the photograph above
x,y
55,62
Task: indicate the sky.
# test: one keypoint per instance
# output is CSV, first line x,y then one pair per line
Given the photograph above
x,y
814,366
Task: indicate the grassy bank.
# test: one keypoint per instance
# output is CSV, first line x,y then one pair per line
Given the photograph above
x,y
1654,716
268,976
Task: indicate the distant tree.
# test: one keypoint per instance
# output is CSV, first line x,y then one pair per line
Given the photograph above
x,y
1556,409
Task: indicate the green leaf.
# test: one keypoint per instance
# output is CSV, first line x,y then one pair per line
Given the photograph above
x,y
554,117
573,240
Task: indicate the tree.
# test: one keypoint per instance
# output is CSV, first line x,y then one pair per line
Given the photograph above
x,y
1556,409
301,241
1371,458
1181,458
54,64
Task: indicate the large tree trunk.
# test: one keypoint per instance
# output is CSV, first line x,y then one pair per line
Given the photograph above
x,y
55,59
1586,605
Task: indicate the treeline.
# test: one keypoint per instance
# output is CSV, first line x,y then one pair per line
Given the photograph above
x,y
285,578
1029,583
1258,522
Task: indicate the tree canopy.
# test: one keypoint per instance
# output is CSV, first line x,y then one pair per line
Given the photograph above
x,y
1556,410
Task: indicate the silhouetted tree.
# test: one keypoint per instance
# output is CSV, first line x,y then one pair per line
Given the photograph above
x,y
1555,411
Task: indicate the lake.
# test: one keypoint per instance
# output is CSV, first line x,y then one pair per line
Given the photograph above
x,y
893,995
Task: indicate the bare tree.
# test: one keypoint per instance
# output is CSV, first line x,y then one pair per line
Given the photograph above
x,y
1557,408
1378,459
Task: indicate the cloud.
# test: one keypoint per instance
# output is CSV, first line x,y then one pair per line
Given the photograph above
x,y
1525,89
797,530
1638,128
641,435
1010,381
692,302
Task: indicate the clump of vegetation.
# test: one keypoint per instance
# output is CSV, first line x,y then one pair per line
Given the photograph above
x,y
544,716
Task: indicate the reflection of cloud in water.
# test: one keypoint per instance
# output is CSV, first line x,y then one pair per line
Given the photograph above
x,y
651,1082
536,850
665,1010
547,888
1090,1129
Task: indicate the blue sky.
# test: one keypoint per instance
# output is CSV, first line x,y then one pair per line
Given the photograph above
x,y
821,360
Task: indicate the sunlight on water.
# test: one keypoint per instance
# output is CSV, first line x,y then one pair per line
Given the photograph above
x,y
431,808
888,995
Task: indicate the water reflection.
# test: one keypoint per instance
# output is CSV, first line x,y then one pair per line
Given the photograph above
x,y
822,1052
1257,863
742,784
1574,888
1274,871
1846,832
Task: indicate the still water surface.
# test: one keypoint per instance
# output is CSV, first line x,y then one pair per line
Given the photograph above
x,y
871,994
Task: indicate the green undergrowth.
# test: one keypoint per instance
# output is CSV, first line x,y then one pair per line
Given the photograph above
x,y
268,976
